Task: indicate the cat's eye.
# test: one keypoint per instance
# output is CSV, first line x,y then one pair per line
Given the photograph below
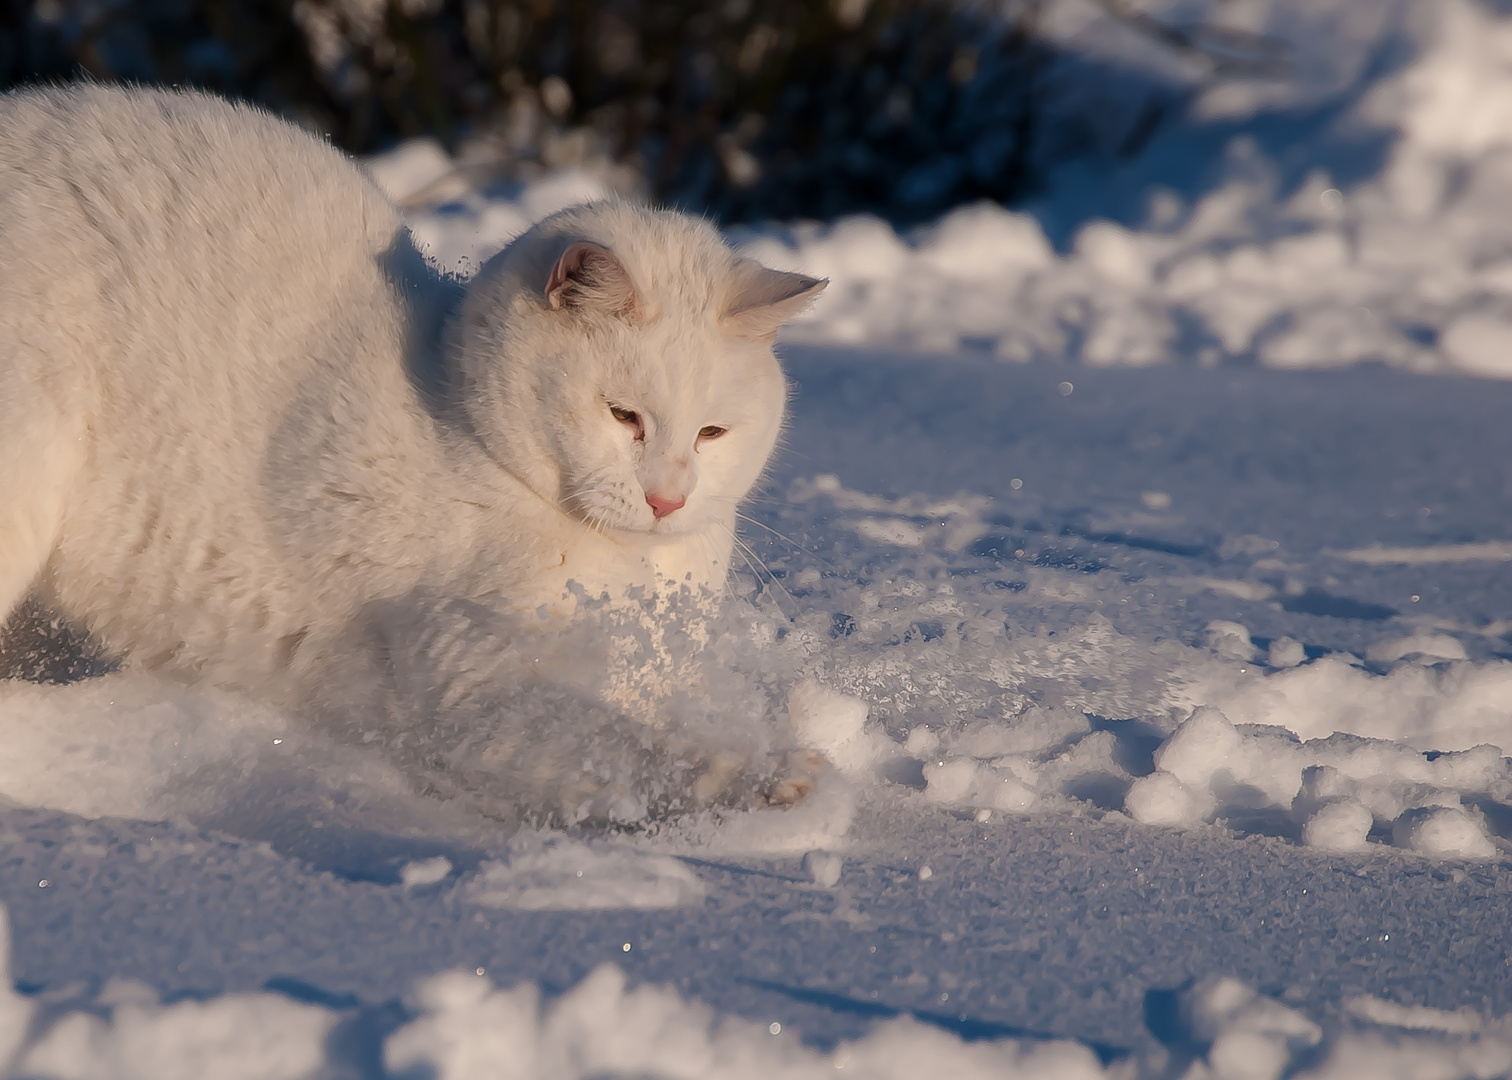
x,y
713,431
629,417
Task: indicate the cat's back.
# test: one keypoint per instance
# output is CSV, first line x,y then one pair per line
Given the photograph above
x,y
176,224
178,276
115,161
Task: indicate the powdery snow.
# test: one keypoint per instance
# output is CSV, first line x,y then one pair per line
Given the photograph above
x,y
998,672
1020,648
1168,708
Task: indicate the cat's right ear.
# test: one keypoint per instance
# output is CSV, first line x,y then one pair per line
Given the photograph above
x,y
590,277
764,299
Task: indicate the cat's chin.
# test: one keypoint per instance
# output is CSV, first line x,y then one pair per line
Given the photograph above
x,y
668,528
658,530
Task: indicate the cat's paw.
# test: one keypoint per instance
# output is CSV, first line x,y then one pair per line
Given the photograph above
x,y
798,777
720,777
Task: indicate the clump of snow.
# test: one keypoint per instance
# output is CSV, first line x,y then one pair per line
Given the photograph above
x,y
555,873
1443,831
823,868
962,780
1285,652
1162,799
1249,1037
949,781
1343,825
1338,787
1433,707
1208,752
1230,640
834,724
420,872
466,1029
1393,1055
235,1037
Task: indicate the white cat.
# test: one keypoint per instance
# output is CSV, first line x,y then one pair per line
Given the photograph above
x,y
242,423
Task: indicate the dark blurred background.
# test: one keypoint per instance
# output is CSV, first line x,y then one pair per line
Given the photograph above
x,y
740,109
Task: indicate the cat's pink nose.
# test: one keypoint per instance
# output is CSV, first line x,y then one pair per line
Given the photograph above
x,y
662,506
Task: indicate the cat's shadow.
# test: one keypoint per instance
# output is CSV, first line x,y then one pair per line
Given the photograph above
x,y
432,298
345,849
38,646
288,809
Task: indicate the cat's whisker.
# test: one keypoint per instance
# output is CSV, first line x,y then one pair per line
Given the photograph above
x,y
752,561
772,579
745,558
781,536
573,502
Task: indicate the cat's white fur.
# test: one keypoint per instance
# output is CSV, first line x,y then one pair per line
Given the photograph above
x,y
237,410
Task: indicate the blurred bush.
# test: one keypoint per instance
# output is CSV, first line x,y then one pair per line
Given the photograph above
x,y
743,109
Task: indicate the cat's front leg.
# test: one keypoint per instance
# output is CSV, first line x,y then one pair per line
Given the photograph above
x,y
734,781
495,710
799,775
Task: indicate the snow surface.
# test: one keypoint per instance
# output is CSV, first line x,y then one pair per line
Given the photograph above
x,y
1166,693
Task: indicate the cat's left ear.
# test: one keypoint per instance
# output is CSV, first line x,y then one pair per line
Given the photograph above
x,y
764,299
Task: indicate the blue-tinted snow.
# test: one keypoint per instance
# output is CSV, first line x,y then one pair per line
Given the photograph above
x,y
1066,922
1178,676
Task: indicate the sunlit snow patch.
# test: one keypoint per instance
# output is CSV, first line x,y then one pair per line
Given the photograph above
x,y
466,1029
1376,555
456,226
461,1026
1295,275
1249,1036
1337,787
233,1037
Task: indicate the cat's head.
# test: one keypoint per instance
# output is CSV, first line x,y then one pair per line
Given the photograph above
x,y
618,360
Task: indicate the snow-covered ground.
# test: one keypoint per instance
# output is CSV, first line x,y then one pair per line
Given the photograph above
x,y
1168,690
